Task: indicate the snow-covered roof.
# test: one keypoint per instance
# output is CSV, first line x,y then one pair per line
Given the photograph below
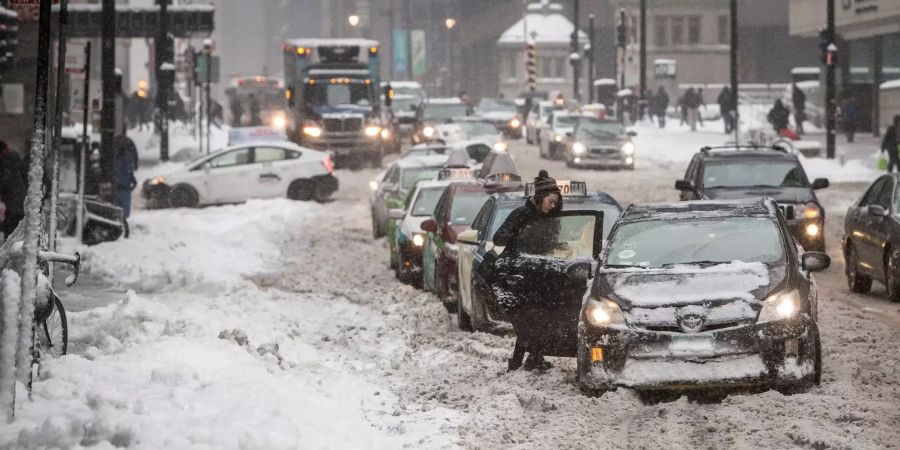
x,y
331,42
805,71
546,25
423,161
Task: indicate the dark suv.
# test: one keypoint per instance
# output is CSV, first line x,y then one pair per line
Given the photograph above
x,y
731,302
726,173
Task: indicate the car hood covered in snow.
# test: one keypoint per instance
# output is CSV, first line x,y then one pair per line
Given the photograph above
x,y
780,195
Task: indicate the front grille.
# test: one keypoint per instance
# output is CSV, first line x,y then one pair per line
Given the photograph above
x,y
405,120
706,327
605,151
343,125
788,211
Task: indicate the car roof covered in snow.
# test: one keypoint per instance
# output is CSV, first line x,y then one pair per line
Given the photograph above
x,y
758,207
731,153
422,161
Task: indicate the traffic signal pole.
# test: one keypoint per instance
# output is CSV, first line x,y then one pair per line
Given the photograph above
x,y
734,71
57,128
108,114
830,101
643,52
163,82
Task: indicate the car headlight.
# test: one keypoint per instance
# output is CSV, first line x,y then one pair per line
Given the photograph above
x,y
373,185
812,211
579,148
157,181
628,148
603,312
418,240
373,130
780,306
557,138
428,132
812,230
312,131
279,122
385,134
515,123
501,146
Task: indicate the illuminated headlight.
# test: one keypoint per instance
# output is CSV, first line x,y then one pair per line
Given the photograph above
x,y
372,130
501,146
628,148
629,160
604,313
312,131
157,181
385,134
418,240
780,306
812,211
812,230
279,122
428,132
578,148
373,185
515,123
558,138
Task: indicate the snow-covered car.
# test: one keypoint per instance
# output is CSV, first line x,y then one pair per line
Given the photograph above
x,y
478,149
600,144
390,189
478,309
504,114
559,128
730,303
479,128
536,120
407,239
239,173
437,111
407,114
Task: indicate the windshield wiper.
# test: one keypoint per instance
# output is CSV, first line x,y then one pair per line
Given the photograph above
x,y
623,266
695,263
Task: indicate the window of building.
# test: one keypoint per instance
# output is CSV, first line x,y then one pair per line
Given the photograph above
x,y
560,67
511,66
661,31
677,30
890,69
545,65
723,29
694,30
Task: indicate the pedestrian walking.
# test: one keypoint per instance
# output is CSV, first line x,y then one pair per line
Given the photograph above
x,y
726,109
237,112
13,187
851,117
680,105
518,232
778,116
700,102
662,105
692,104
890,144
125,166
798,98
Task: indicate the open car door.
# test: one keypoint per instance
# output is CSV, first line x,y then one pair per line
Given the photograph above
x,y
541,278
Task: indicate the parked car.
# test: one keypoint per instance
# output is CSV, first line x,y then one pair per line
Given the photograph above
x,y
600,144
731,172
390,188
872,238
731,302
239,173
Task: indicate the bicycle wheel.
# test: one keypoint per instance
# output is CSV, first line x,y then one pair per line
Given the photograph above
x,y
53,332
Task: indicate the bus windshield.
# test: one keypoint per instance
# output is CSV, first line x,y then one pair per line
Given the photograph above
x,y
339,94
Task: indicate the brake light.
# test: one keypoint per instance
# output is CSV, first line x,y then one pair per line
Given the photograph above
x,y
329,164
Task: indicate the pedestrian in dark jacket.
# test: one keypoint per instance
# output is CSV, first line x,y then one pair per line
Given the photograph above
x,y
662,104
850,116
13,187
125,166
724,101
798,98
700,102
778,116
891,145
523,231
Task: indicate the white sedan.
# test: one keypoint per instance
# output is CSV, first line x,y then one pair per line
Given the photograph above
x,y
239,173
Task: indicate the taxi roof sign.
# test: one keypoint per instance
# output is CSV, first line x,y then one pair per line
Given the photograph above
x,y
455,174
565,186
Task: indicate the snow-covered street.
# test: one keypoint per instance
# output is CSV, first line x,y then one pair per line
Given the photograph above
x,y
277,324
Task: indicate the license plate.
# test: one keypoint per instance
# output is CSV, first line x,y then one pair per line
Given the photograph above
x,y
694,345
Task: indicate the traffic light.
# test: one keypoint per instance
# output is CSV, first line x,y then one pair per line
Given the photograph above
x,y
621,30
826,39
9,40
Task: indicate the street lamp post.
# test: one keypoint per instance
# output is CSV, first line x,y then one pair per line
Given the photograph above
x,y
575,57
450,23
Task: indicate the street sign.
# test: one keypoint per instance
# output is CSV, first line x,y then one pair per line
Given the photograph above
x,y
75,60
201,68
95,96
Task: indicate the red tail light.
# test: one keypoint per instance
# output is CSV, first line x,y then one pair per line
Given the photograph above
x,y
329,164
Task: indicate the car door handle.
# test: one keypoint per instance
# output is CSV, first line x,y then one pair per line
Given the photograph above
x,y
269,176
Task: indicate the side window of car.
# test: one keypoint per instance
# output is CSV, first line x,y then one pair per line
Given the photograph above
x,y
394,176
884,197
232,158
480,222
268,154
291,154
871,196
478,151
691,173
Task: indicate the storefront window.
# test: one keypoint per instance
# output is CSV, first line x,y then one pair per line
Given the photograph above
x,y
862,60
890,68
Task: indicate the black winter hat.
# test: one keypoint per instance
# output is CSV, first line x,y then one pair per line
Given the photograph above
x,y
545,185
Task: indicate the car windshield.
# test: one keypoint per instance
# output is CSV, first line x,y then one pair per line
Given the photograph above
x,y
565,237
444,112
405,104
610,214
426,201
754,174
428,151
344,94
473,129
410,176
595,129
649,244
565,122
500,105
465,206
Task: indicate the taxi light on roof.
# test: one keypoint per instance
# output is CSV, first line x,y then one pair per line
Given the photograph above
x,y
597,354
312,82
455,174
565,186
373,50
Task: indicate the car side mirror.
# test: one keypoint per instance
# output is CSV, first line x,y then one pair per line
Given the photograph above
x,y
815,261
631,133
820,183
396,214
429,226
876,210
469,236
684,185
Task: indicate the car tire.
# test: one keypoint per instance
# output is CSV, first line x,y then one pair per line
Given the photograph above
x,y
301,190
817,362
183,196
891,277
858,283
463,320
377,232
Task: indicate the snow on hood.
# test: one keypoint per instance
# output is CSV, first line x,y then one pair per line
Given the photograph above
x,y
780,195
498,115
342,110
688,284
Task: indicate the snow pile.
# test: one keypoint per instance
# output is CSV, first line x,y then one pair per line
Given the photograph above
x,y
179,248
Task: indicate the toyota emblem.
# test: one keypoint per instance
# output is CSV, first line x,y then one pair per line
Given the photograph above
x,y
691,323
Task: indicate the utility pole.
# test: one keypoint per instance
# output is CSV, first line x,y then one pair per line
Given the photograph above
x,y
85,143
575,56
164,78
643,51
207,50
830,101
108,115
734,71
621,42
590,56
57,127
409,52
